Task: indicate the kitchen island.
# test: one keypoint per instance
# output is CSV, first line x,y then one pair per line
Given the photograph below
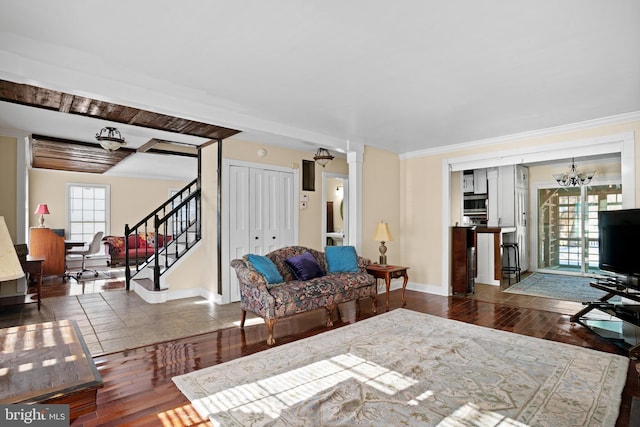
x,y
489,253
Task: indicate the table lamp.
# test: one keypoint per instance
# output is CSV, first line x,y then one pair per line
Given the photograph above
x,y
42,210
10,268
382,235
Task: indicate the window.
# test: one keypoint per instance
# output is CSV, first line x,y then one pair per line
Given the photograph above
x,y
88,208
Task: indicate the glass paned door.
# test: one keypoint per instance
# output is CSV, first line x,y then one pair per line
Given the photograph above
x,y
598,198
568,225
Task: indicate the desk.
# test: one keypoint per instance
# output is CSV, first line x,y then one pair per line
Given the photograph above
x,y
45,243
35,267
388,272
69,375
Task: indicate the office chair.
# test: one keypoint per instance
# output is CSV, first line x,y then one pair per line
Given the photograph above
x,y
92,248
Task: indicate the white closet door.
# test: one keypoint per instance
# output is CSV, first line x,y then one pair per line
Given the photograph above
x,y
286,209
258,209
239,237
271,196
261,214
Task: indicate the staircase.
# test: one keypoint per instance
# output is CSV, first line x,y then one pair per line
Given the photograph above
x,y
174,227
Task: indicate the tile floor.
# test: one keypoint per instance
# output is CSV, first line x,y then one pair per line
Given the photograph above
x,y
112,319
116,320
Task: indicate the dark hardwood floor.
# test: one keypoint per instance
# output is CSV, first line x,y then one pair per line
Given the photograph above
x,y
138,390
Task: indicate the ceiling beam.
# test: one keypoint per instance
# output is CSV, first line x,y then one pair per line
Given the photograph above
x,y
39,97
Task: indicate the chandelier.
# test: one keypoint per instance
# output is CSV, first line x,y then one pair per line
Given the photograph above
x,y
573,177
322,157
110,138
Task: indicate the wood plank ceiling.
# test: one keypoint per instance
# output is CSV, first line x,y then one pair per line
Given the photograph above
x,y
60,154
65,155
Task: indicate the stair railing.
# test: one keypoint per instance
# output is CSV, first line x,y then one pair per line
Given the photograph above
x,y
174,227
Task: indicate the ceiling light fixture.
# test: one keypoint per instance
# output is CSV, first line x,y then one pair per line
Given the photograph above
x,y
573,177
110,138
322,157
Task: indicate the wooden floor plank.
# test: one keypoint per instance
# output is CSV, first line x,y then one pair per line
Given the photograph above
x,y
138,390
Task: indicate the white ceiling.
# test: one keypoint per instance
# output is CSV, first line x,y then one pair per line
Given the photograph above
x,y
398,75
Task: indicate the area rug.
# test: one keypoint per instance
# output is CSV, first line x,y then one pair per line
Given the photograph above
x,y
412,369
557,286
103,274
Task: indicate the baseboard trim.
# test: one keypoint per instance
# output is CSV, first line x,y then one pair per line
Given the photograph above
x,y
151,297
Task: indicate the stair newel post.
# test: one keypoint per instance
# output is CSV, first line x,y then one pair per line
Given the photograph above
x,y
127,270
198,218
156,258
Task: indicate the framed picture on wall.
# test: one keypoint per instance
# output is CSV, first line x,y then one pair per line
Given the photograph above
x,y
308,175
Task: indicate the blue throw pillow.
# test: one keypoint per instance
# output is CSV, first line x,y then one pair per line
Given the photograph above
x,y
341,259
266,267
305,266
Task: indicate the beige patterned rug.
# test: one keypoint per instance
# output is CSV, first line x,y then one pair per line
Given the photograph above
x,y
409,368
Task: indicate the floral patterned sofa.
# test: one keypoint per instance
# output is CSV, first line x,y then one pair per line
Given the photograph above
x,y
141,247
272,301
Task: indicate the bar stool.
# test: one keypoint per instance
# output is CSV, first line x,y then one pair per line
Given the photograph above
x,y
510,269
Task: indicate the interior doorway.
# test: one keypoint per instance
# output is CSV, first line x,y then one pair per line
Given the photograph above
x,y
335,215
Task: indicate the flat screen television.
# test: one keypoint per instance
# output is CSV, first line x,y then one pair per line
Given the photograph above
x,y
619,242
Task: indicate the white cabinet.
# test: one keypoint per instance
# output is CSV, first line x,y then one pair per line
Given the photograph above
x,y
485,259
513,202
522,177
480,181
467,183
475,182
493,198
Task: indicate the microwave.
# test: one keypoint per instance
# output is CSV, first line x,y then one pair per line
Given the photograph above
x,y
475,205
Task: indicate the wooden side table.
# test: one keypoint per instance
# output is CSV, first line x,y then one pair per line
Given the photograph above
x,y
35,267
388,272
61,370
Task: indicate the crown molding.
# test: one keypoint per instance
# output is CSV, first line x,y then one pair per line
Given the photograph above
x,y
588,124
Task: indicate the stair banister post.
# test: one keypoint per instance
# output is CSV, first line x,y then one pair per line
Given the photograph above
x,y
127,270
156,262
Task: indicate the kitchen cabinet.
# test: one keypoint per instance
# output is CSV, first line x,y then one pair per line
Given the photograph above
x,y
509,197
467,183
480,181
493,198
475,181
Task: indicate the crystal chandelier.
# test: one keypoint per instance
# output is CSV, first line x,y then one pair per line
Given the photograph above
x,y
573,177
110,138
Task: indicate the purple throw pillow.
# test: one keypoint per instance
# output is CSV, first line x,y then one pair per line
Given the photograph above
x,y
305,266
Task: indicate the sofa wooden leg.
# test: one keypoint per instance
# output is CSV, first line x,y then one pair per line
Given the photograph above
x,y
243,317
270,324
330,309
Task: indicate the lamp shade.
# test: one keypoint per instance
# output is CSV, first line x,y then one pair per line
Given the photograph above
x,y
382,233
42,209
10,268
